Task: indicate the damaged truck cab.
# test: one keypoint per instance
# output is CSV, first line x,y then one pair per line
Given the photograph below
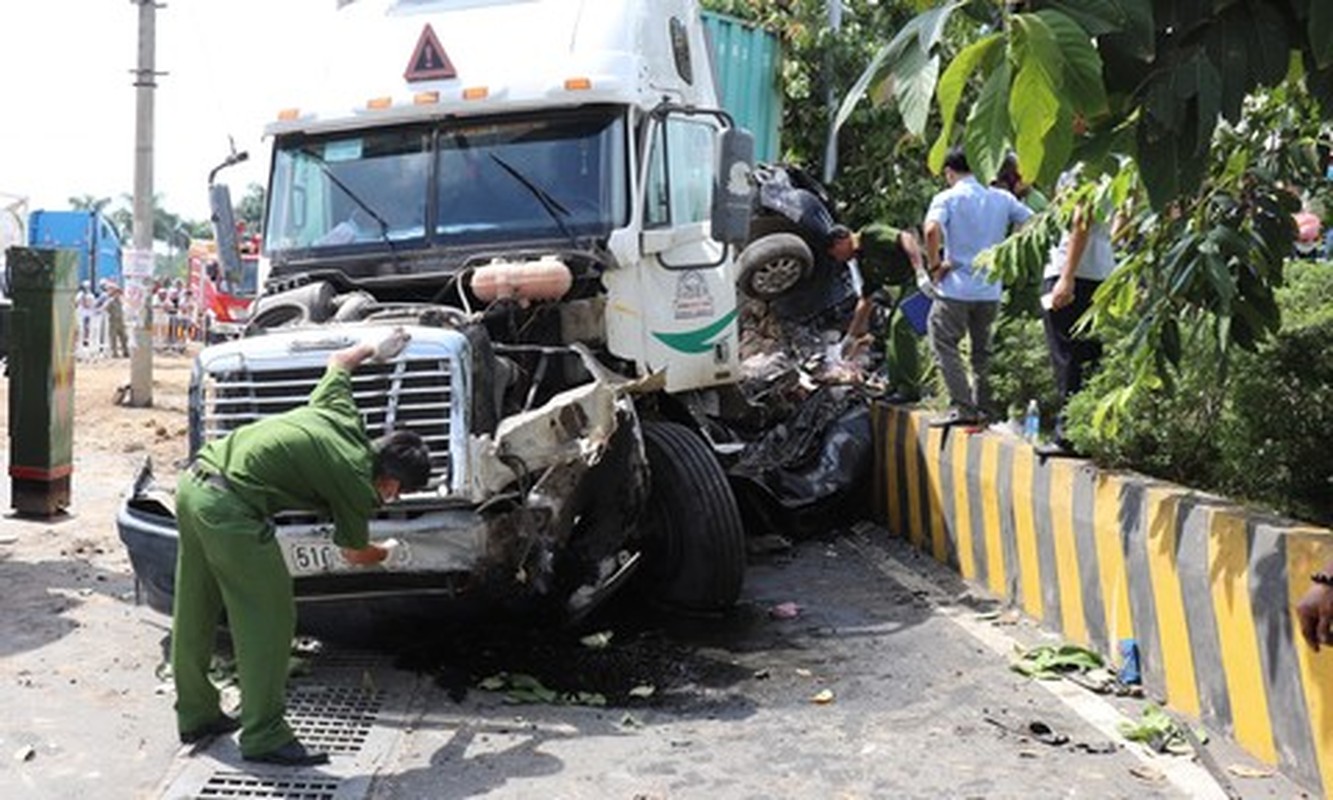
x,y
544,194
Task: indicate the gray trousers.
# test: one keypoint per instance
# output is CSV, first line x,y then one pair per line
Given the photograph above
x,y
946,324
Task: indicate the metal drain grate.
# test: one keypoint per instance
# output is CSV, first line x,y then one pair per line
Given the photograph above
x,y
333,719
233,785
339,659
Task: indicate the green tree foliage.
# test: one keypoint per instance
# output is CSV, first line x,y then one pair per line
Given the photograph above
x,y
169,227
250,208
1258,434
1062,79
1211,259
882,173
87,202
1209,110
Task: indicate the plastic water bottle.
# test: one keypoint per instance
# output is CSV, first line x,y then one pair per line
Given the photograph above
x,y
1032,421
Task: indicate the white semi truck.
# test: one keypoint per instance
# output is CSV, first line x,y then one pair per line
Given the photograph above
x,y
546,195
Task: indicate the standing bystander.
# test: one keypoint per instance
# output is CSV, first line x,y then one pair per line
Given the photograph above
x,y
1077,266
114,306
963,220
85,303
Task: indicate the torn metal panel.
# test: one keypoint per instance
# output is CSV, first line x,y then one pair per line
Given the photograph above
x,y
573,425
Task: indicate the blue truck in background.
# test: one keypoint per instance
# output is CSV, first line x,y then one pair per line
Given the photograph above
x,y
87,232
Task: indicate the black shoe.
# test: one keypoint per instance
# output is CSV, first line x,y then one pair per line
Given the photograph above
x,y
221,726
956,417
1060,448
292,754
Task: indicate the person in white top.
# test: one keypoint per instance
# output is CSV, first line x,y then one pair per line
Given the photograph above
x,y
85,303
1077,266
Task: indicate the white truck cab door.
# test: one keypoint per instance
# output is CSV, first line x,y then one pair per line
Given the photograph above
x,y
675,310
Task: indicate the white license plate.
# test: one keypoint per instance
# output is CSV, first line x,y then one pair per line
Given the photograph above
x,y
305,557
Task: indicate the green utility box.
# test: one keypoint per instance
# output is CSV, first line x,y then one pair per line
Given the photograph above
x,y
41,378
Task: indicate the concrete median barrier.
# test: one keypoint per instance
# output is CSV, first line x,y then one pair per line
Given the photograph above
x,y
1204,587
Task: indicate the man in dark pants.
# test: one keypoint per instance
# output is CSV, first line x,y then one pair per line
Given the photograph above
x,y
1078,265
962,221
319,458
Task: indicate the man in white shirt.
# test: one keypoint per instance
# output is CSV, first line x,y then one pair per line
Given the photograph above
x,y
1077,266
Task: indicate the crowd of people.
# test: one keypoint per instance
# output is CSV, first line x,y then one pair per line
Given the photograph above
x,y
963,220
100,317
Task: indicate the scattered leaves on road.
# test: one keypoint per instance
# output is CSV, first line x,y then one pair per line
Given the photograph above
x,y
520,688
1160,732
1051,662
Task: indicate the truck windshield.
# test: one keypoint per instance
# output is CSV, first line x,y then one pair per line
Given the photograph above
x,y
458,183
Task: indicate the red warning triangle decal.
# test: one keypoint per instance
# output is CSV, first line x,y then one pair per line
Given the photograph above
x,y
429,61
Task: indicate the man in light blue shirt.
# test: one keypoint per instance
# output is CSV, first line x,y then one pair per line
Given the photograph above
x,y
962,221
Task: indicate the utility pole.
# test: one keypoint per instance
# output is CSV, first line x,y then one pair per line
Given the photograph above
x,y
139,267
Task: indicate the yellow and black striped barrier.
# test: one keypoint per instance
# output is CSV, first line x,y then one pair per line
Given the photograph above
x,y
1205,588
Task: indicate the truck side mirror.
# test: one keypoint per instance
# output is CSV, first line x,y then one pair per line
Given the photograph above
x,y
224,228
734,190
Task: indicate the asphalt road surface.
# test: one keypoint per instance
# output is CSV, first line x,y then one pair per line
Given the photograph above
x,y
890,681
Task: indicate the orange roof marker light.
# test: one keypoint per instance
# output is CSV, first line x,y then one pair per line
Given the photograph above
x,y
476,93
578,84
379,103
289,114
426,98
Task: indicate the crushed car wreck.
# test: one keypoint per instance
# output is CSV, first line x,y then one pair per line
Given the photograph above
x,y
560,256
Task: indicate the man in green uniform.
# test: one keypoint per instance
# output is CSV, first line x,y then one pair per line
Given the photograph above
x,y
318,458
885,257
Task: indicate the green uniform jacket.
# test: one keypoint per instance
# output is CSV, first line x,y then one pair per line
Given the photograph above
x,y
881,258
314,458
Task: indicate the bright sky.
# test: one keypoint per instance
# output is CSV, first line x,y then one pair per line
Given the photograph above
x,y
67,124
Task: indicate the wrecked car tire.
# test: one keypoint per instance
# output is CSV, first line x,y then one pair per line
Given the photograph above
x,y
312,302
693,539
770,266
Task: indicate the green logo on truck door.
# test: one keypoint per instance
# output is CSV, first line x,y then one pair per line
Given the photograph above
x,y
697,341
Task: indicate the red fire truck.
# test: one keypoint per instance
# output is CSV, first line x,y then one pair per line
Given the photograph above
x,y
224,295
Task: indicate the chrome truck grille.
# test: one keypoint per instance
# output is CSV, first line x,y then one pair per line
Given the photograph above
x,y
415,394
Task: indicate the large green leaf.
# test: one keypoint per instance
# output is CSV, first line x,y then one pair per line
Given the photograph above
x,y
987,135
951,84
1034,109
1130,20
1229,45
1321,32
923,30
915,87
1059,147
1034,101
1082,78
1198,78
1270,47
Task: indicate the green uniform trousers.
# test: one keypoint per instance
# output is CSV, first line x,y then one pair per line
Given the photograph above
x,y
227,558
902,360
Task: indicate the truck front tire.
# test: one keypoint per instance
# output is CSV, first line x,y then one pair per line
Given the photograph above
x,y
693,538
